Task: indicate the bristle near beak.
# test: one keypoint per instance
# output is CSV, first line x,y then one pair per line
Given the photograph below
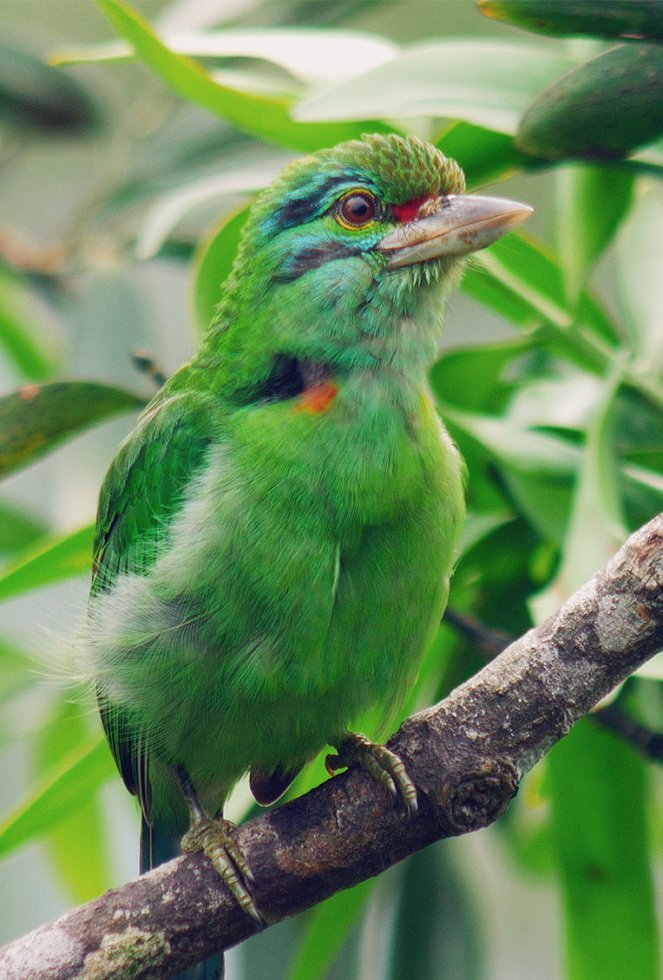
x,y
462,224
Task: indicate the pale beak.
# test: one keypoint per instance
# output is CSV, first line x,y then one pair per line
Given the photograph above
x,y
463,224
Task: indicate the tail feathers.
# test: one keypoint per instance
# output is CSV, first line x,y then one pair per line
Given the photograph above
x,y
157,847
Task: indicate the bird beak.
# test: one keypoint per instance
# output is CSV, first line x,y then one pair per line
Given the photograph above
x,y
461,224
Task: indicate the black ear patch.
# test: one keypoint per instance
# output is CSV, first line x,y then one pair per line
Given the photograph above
x,y
298,263
299,210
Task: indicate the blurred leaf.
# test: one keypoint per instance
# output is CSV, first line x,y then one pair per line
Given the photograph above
x,y
575,117
434,913
520,449
601,838
27,347
597,522
52,561
330,924
170,208
639,280
524,283
77,841
471,378
485,82
545,503
483,154
37,95
17,530
306,53
212,265
591,205
15,671
266,117
478,526
642,491
320,12
628,19
565,402
647,160
76,777
36,418
526,826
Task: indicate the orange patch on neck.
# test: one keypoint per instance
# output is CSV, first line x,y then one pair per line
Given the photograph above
x,y
318,398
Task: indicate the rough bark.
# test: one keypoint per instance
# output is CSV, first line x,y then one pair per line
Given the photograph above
x,y
466,755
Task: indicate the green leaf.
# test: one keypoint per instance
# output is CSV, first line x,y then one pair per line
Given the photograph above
x,y
77,842
545,503
519,449
479,526
484,82
268,118
18,530
628,19
484,154
470,378
639,281
74,780
600,834
575,117
434,912
51,561
330,924
24,340
212,264
171,208
523,282
15,671
307,54
530,276
597,526
590,207
36,418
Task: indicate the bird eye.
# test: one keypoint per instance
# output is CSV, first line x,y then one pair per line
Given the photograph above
x,y
356,209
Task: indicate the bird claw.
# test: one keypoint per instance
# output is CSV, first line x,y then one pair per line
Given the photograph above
x,y
215,839
383,764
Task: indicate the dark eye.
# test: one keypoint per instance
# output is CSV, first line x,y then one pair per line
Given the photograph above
x,y
356,209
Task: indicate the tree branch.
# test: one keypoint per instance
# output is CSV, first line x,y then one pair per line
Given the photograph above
x,y
466,756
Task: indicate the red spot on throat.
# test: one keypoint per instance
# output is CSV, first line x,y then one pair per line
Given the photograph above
x,y
409,210
318,398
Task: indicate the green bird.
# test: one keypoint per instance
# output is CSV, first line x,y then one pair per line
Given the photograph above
x,y
275,538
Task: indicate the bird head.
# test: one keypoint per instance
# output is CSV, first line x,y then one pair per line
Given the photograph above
x,y
346,258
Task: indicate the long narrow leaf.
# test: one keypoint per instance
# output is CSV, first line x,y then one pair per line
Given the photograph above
x,y
76,778
329,928
51,561
600,836
485,82
212,265
77,843
36,418
261,115
28,347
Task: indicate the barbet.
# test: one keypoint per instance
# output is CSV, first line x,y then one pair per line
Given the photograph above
x,y
275,538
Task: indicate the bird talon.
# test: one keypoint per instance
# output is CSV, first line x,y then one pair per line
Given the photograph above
x,y
383,764
214,838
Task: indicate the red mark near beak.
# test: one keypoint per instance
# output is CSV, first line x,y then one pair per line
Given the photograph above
x,y
410,209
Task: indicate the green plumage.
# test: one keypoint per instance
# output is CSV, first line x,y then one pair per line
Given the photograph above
x,y
275,538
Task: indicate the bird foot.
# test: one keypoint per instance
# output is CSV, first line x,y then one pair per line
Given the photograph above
x,y
383,764
215,839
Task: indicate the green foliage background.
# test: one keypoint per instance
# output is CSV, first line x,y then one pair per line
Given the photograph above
x,y
126,171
